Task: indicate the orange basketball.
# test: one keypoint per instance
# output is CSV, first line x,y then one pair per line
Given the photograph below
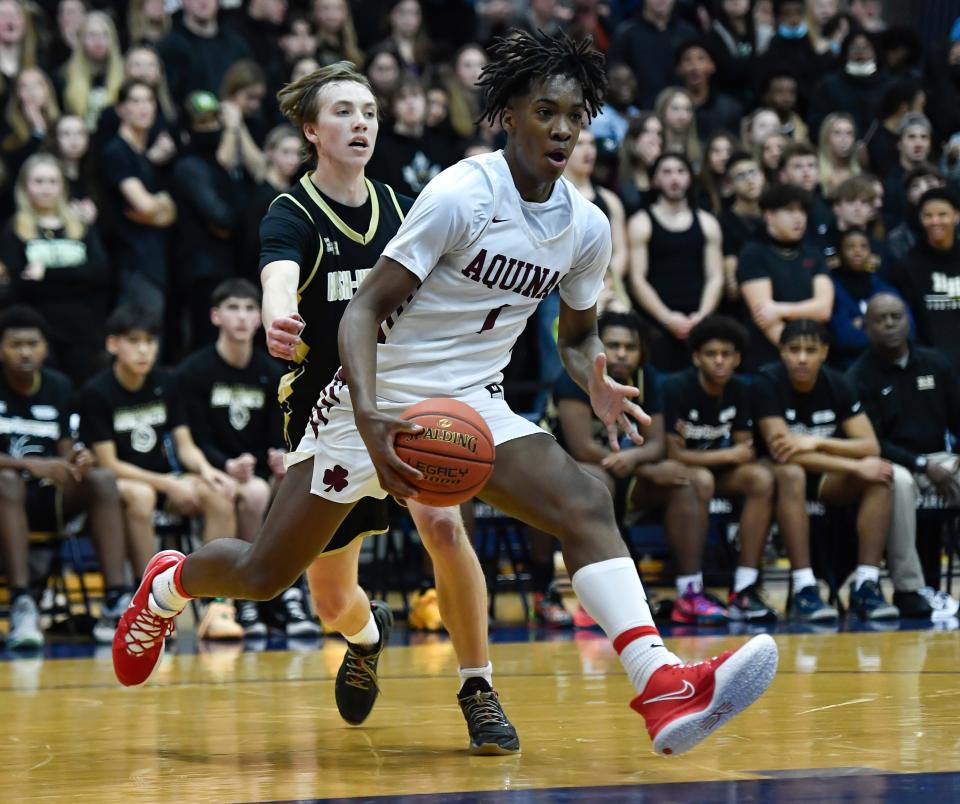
x,y
454,451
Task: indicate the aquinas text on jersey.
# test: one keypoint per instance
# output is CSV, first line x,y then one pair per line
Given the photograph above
x,y
509,273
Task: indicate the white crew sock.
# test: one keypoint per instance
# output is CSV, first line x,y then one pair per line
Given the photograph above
x,y
485,672
366,637
744,577
802,578
168,602
693,582
866,573
613,595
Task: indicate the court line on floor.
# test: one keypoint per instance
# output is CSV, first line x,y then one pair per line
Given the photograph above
x,y
315,679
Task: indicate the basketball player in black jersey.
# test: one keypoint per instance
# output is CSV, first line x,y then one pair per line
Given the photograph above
x,y
318,243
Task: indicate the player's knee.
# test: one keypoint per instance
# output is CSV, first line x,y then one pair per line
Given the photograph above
x,y
12,488
442,532
759,482
138,498
101,485
703,483
331,602
253,496
791,480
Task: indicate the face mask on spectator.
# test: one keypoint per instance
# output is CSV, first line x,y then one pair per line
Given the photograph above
x,y
792,31
205,142
861,67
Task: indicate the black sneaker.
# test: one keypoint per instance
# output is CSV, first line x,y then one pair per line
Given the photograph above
x,y
248,615
912,605
357,689
491,734
868,604
296,621
748,605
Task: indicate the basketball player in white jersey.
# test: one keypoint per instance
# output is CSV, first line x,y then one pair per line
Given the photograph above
x,y
452,291
327,233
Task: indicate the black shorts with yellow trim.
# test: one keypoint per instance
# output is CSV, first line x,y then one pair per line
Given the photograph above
x,y
369,517
44,506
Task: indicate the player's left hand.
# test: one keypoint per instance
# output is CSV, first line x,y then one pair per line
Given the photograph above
x,y
220,482
611,403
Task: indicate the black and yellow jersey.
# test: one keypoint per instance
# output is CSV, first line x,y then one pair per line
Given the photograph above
x,y
335,246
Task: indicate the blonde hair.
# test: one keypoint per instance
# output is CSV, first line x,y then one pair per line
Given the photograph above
x,y
137,22
346,41
463,106
78,72
833,173
20,131
28,47
25,224
691,148
300,100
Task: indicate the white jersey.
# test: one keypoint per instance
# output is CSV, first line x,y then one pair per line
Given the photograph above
x,y
485,258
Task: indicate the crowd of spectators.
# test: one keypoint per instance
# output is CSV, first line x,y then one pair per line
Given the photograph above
x,y
782,163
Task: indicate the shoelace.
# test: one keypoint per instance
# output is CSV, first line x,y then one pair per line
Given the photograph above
x,y
483,708
145,630
295,608
361,672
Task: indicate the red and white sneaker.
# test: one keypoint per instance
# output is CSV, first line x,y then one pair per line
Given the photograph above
x,y
138,641
685,703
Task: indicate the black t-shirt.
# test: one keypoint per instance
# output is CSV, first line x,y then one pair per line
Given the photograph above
x,y
72,296
336,247
930,281
408,163
232,410
737,231
31,426
821,412
139,248
703,421
139,423
791,271
650,399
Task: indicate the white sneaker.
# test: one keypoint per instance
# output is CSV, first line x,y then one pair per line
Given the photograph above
x,y
25,630
944,606
106,626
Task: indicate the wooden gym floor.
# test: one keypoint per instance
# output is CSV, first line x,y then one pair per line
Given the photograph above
x,y
868,716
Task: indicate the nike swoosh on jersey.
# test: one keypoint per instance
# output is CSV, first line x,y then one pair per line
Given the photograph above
x,y
499,220
682,694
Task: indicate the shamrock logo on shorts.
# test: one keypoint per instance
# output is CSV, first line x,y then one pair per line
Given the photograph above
x,y
335,478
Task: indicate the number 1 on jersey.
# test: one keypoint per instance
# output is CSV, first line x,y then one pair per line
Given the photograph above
x,y
491,318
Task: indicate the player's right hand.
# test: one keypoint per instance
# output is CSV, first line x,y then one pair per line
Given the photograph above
x,y
283,336
378,432
57,470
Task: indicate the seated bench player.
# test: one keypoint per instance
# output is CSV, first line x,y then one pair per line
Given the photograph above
x,y
810,417
227,388
46,478
132,416
709,429
639,477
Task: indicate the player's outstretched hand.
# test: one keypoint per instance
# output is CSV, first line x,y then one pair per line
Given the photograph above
x,y
283,336
378,432
611,403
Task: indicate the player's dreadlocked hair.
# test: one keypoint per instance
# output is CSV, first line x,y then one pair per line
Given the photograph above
x,y
520,58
